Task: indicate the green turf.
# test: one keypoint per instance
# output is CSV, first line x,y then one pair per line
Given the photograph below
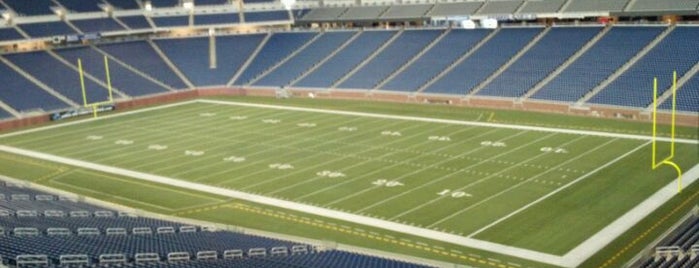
x,y
458,185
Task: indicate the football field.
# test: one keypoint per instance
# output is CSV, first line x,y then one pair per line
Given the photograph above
x,y
506,188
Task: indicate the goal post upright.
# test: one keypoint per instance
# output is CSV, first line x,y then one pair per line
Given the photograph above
x,y
667,160
94,105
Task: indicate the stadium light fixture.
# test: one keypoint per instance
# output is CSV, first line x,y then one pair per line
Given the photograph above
x,y
288,4
148,6
189,5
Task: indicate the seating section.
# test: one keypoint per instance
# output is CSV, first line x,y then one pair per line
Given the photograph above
x,y
209,19
81,5
324,14
121,78
97,25
4,115
191,56
165,3
46,29
363,12
687,97
211,2
143,57
483,62
58,76
672,53
539,61
617,47
278,47
679,249
346,59
135,22
9,34
595,5
57,230
653,5
406,11
23,95
171,21
434,61
251,17
123,4
31,8
543,6
397,53
305,59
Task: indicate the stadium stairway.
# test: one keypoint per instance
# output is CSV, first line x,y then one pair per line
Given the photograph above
x,y
326,58
367,60
412,60
250,59
458,61
626,66
169,63
567,63
289,57
509,63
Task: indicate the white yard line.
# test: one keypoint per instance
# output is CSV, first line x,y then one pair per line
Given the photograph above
x,y
455,122
383,224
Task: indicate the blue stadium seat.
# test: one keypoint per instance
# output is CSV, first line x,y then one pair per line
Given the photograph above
x,y
171,21
211,19
31,7
7,34
483,62
123,4
406,46
47,29
279,46
23,95
277,15
135,22
438,58
192,56
633,87
122,78
687,97
97,25
4,115
141,55
58,76
609,53
311,55
346,59
165,3
210,2
81,5
539,61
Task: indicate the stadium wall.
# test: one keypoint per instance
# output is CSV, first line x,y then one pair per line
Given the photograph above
x,y
536,106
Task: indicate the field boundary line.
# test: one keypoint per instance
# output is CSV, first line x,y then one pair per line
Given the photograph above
x,y
451,121
330,213
594,243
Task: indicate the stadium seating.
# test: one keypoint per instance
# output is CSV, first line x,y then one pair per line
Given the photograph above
x,y
500,7
670,54
56,230
209,19
609,53
141,55
97,25
211,2
363,12
402,49
346,59
678,249
9,34
435,60
406,11
324,14
46,29
543,58
23,95
135,22
123,4
191,56
5,115
652,5
687,97
278,47
122,78
164,3
305,59
486,60
251,17
31,8
81,5
171,21
54,73
455,9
